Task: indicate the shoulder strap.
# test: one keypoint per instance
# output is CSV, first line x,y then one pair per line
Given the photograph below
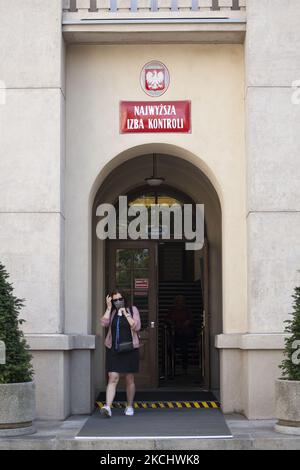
x,y
112,314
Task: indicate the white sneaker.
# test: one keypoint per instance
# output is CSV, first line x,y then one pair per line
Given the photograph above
x,y
106,411
129,411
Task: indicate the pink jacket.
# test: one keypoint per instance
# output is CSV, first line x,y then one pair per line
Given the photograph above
x,y
135,328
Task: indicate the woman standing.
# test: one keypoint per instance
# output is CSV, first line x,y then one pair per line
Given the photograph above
x,y
122,353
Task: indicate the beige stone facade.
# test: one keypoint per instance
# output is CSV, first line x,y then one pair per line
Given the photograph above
x,y
65,66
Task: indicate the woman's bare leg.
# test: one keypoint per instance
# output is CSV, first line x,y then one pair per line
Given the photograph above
x,y
130,389
113,379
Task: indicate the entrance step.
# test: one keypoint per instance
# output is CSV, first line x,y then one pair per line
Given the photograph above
x,y
159,399
165,404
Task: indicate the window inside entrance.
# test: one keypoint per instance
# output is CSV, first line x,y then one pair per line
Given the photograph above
x,y
154,198
148,198
132,275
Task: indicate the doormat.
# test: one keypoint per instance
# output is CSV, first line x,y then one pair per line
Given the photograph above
x,y
162,423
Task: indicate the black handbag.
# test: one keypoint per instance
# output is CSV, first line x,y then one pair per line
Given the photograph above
x,y
125,347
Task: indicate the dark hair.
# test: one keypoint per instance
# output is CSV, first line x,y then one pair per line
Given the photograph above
x,y
123,294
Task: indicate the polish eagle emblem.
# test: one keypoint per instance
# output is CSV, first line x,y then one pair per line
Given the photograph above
x,y
155,79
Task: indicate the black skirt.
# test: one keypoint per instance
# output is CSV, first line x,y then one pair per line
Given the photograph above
x,y
123,363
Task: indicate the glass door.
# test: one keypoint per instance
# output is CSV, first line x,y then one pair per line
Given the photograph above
x,y
132,268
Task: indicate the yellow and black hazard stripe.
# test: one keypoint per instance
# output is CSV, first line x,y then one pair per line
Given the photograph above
x,y
166,404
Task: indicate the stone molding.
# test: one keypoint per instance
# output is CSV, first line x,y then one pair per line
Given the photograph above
x,y
59,342
250,341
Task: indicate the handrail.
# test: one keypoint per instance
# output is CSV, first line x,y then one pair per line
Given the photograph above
x,y
168,352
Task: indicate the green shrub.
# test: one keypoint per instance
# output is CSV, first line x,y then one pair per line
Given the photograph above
x,y
290,368
18,366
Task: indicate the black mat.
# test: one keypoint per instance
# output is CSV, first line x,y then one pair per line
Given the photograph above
x,y
157,423
164,395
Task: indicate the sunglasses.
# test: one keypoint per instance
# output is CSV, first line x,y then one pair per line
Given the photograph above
x,y
120,298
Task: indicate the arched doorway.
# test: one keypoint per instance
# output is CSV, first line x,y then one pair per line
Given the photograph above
x,y
154,272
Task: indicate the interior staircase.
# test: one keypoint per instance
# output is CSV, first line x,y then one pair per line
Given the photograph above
x,y
193,295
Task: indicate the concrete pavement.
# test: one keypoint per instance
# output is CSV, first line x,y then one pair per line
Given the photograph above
x,y
60,435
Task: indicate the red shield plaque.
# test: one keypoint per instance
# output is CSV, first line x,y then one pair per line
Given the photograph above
x,y
155,79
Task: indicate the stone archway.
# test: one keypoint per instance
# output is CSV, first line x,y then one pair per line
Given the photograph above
x,y
182,175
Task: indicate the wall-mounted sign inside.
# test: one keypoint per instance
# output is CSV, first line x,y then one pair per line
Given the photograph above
x,y
141,284
155,78
160,116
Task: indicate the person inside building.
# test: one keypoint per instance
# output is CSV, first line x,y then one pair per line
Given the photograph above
x,y
181,319
122,348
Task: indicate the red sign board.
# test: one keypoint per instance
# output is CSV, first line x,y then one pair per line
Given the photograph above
x,y
151,116
141,284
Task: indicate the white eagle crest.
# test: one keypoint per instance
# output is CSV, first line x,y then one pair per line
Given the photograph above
x,y
155,80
